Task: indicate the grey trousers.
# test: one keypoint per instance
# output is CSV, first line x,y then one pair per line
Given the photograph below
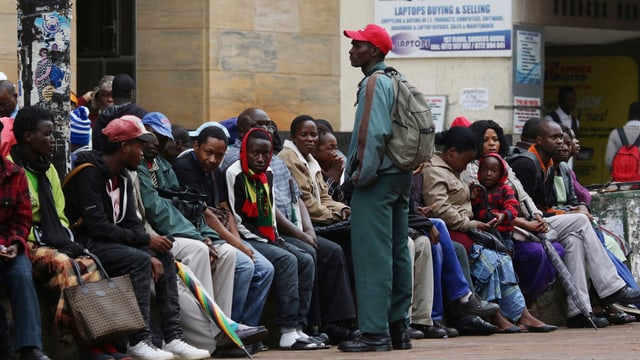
x,y
584,253
422,263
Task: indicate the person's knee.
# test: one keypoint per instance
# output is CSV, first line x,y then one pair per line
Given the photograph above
x,y
244,264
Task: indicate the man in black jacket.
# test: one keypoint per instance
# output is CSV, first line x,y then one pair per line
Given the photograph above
x,y
123,93
102,209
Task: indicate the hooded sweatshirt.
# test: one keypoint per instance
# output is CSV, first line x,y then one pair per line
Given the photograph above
x,y
89,207
500,199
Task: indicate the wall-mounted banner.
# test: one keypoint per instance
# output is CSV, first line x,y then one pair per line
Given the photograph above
x,y
528,57
446,28
524,109
438,106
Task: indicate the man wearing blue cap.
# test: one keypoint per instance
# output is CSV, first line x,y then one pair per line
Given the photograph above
x,y
231,269
380,205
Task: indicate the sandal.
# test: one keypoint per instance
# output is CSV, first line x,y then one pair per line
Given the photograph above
x,y
614,314
305,344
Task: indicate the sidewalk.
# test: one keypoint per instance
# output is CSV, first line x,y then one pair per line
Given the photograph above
x,y
613,342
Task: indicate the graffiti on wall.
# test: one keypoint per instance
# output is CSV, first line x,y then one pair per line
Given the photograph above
x,y
44,33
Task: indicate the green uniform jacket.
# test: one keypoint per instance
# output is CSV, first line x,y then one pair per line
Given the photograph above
x,y
160,212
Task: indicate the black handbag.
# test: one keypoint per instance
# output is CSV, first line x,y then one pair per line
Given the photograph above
x,y
190,203
487,240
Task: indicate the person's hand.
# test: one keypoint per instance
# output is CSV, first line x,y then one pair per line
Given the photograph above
x,y
9,253
475,192
418,170
160,244
310,240
542,226
345,213
581,209
335,169
500,217
157,270
213,253
426,210
87,96
480,225
247,251
434,235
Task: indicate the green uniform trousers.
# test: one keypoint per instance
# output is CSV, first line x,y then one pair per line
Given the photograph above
x,y
381,260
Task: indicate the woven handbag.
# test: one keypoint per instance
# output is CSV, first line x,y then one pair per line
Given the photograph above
x,y
103,310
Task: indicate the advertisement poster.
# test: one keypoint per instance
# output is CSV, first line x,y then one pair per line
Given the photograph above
x,y
524,109
446,28
474,98
528,57
605,87
44,53
438,106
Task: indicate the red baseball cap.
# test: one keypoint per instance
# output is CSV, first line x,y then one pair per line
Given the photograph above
x,y
127,128
374,34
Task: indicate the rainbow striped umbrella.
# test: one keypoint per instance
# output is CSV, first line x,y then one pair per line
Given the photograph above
x,y
210,307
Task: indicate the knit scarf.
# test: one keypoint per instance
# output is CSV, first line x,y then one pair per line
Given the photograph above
x,y
53,232
258,199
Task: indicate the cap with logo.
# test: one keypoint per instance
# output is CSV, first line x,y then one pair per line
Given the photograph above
x,y
374,34
159,123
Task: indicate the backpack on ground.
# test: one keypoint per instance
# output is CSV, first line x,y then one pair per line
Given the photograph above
x,y
626,162
56,75
412,139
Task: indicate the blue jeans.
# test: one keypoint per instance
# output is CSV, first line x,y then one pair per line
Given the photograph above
x,y
448,277
294,274
252,282
18,280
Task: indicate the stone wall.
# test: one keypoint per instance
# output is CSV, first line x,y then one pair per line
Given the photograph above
x,y
208,60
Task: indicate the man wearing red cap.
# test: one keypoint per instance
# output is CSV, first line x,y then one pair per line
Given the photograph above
x,y
380,204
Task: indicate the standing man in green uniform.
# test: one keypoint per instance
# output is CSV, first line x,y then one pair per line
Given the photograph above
x,y
380,203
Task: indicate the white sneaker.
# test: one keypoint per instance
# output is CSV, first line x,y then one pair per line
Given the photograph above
x,y
145,350
182,350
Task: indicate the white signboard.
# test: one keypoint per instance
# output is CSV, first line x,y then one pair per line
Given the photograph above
x,y
438,106
474,99
525,108
446,28
528,58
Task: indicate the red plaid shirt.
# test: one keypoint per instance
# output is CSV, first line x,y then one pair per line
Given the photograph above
x,y
15,206
502,200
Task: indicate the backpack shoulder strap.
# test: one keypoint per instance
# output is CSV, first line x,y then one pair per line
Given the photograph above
x,y
74,172
363,128
554,115
623,137
637,142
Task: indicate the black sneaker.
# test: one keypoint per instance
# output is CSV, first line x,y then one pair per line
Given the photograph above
x,y
580,321
475,306
475,325
367,342
626,295
400,335
430,331
451,332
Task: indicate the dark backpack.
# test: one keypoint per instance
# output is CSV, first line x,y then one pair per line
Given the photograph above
x,y
56,75
413,132
626,162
